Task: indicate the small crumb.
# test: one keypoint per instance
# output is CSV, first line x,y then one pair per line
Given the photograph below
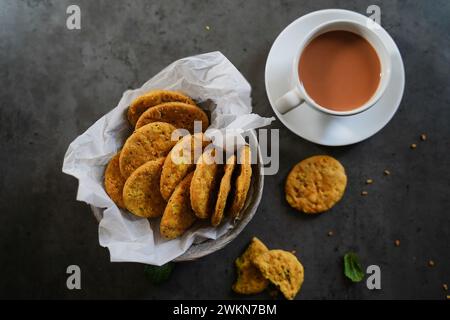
x,y
330,233
448,297
431,263
273,294
397,243
207,28
364,193
369,181
445,286
423,137
386,172
413,146
293,252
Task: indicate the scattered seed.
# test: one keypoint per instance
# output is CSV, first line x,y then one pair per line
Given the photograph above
x,y
423,137
364,193
445,286
397,243
207,28
330,233
386,172
369,181
431,263
413,146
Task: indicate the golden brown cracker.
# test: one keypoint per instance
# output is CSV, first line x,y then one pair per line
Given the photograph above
x,y
179,162
114,181
283,269
147,143
250,280
315,184
243,180
181,115
224,190
204,183
141,190
153,98
178,215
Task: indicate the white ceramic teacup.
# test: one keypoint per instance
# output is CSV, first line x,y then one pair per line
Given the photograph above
x,y
298,95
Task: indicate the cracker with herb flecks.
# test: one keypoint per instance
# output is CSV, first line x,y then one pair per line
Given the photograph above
x,y
147,143
114,181
250,280
151,99
178,215
283,269
315,184
179,162
179,114
141,190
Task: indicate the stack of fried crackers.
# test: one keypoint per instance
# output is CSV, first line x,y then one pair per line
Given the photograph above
x,y
179,180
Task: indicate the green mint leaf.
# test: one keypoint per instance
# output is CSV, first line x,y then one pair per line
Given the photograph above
x,y
352,267
158,275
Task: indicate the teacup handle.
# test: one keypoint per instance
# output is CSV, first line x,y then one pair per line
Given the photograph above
x,y
289,101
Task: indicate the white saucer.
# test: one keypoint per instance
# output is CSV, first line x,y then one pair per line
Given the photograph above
x,y
314,125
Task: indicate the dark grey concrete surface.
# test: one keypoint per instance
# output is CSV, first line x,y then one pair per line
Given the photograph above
x,y
55,83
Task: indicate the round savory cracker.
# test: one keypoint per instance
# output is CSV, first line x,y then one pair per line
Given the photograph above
x,y
178,215
141,190
153,98
315,184
114,181
283,269
179,114
179,162
250,280
147,143
204,182
224,190
243,180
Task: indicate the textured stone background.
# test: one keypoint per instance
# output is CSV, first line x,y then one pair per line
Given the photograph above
x,y
55,83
